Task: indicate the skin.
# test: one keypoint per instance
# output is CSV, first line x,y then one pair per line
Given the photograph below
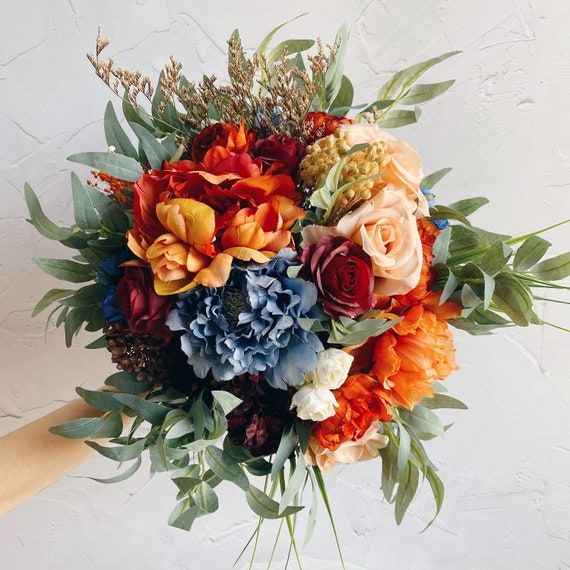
x,y
31,458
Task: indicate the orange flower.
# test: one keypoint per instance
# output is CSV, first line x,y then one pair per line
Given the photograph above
x,y
222,136
265,228
409,357
361,401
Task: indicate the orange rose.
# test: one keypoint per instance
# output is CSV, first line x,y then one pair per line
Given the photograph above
x,y
361,401
265,228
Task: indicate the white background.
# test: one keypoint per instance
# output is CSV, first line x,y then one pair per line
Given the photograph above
x,y
504,127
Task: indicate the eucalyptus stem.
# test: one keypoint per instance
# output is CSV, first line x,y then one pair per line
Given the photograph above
x,y
290,527
523,237
274,549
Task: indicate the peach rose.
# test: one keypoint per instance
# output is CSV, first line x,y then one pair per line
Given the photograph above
x,y
363,449
405,167
386,229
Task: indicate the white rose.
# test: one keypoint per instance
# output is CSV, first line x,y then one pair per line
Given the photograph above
x,y
315,404
332,368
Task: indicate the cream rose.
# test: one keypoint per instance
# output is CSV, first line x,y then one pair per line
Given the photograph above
x,y
315,404
404,170
363,449
386,229
332,369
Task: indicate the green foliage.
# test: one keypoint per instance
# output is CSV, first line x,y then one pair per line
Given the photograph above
x,y
117,165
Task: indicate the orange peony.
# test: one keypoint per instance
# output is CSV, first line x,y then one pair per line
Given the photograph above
x,y
323,124
361,401
410,357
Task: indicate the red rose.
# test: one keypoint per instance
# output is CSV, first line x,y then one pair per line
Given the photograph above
x,y
324,124
280,149
144,310
342,272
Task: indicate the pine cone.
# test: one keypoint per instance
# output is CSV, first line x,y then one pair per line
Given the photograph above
x,y
138,354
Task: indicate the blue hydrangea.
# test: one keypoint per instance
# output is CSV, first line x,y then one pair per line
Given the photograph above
x,y
252,325
110,271
441,224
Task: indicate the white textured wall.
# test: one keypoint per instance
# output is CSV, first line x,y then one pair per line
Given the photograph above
x,y
504,127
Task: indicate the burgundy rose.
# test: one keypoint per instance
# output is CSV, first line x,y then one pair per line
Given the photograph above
x,y
342,272
144,310
283,149
216,134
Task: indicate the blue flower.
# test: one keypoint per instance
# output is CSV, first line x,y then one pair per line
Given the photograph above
x,y
110,271
441,224
252,325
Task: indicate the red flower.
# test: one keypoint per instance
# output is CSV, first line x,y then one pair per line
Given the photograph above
x,y
229,137
282,152
144,310
324,124
342,272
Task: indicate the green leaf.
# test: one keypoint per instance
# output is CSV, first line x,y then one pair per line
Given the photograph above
x,y
553,269
514,299
226,400
399,118
423,420
265,507
358,332
530,253
449,287
496,258
149,411
438,491
100,342
403,448
119,452
50,297
440,401
127,383
432,179
94,210
154,151
73,322
117,165
115,135
293,485
180,429
343,101
441,246
205,497
104,401
122,476
441,212
88,296
402,80
407,488
267,39
286,447
136,114
222,465
334,73
469,205
184,515
168,120
112,426
79,428
312,520
292,46
40,221
65,269
423,92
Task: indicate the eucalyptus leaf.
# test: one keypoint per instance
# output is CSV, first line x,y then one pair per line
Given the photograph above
x,y
439,401
50,297
286,447
205,497
65,269
129,472
469,205
127,383
79,428
293,485
438,491
119,452
428,182
265,507
407,488
104,401
117,165
40,221
222,465
150,411
423,92
530,253
399,118
115,135
553,269
156,153
226,400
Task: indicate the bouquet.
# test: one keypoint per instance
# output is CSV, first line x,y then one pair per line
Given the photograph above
x,y
273,277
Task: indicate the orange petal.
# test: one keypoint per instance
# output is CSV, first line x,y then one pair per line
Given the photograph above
x,y
138,248
172,287
246,235
247,254
216,274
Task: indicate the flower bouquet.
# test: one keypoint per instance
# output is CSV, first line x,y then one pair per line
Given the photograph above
x,y
275,280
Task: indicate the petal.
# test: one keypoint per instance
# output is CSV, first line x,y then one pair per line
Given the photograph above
x,y
216,274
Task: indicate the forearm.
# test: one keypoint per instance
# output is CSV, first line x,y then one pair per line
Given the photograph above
x,y
31,458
